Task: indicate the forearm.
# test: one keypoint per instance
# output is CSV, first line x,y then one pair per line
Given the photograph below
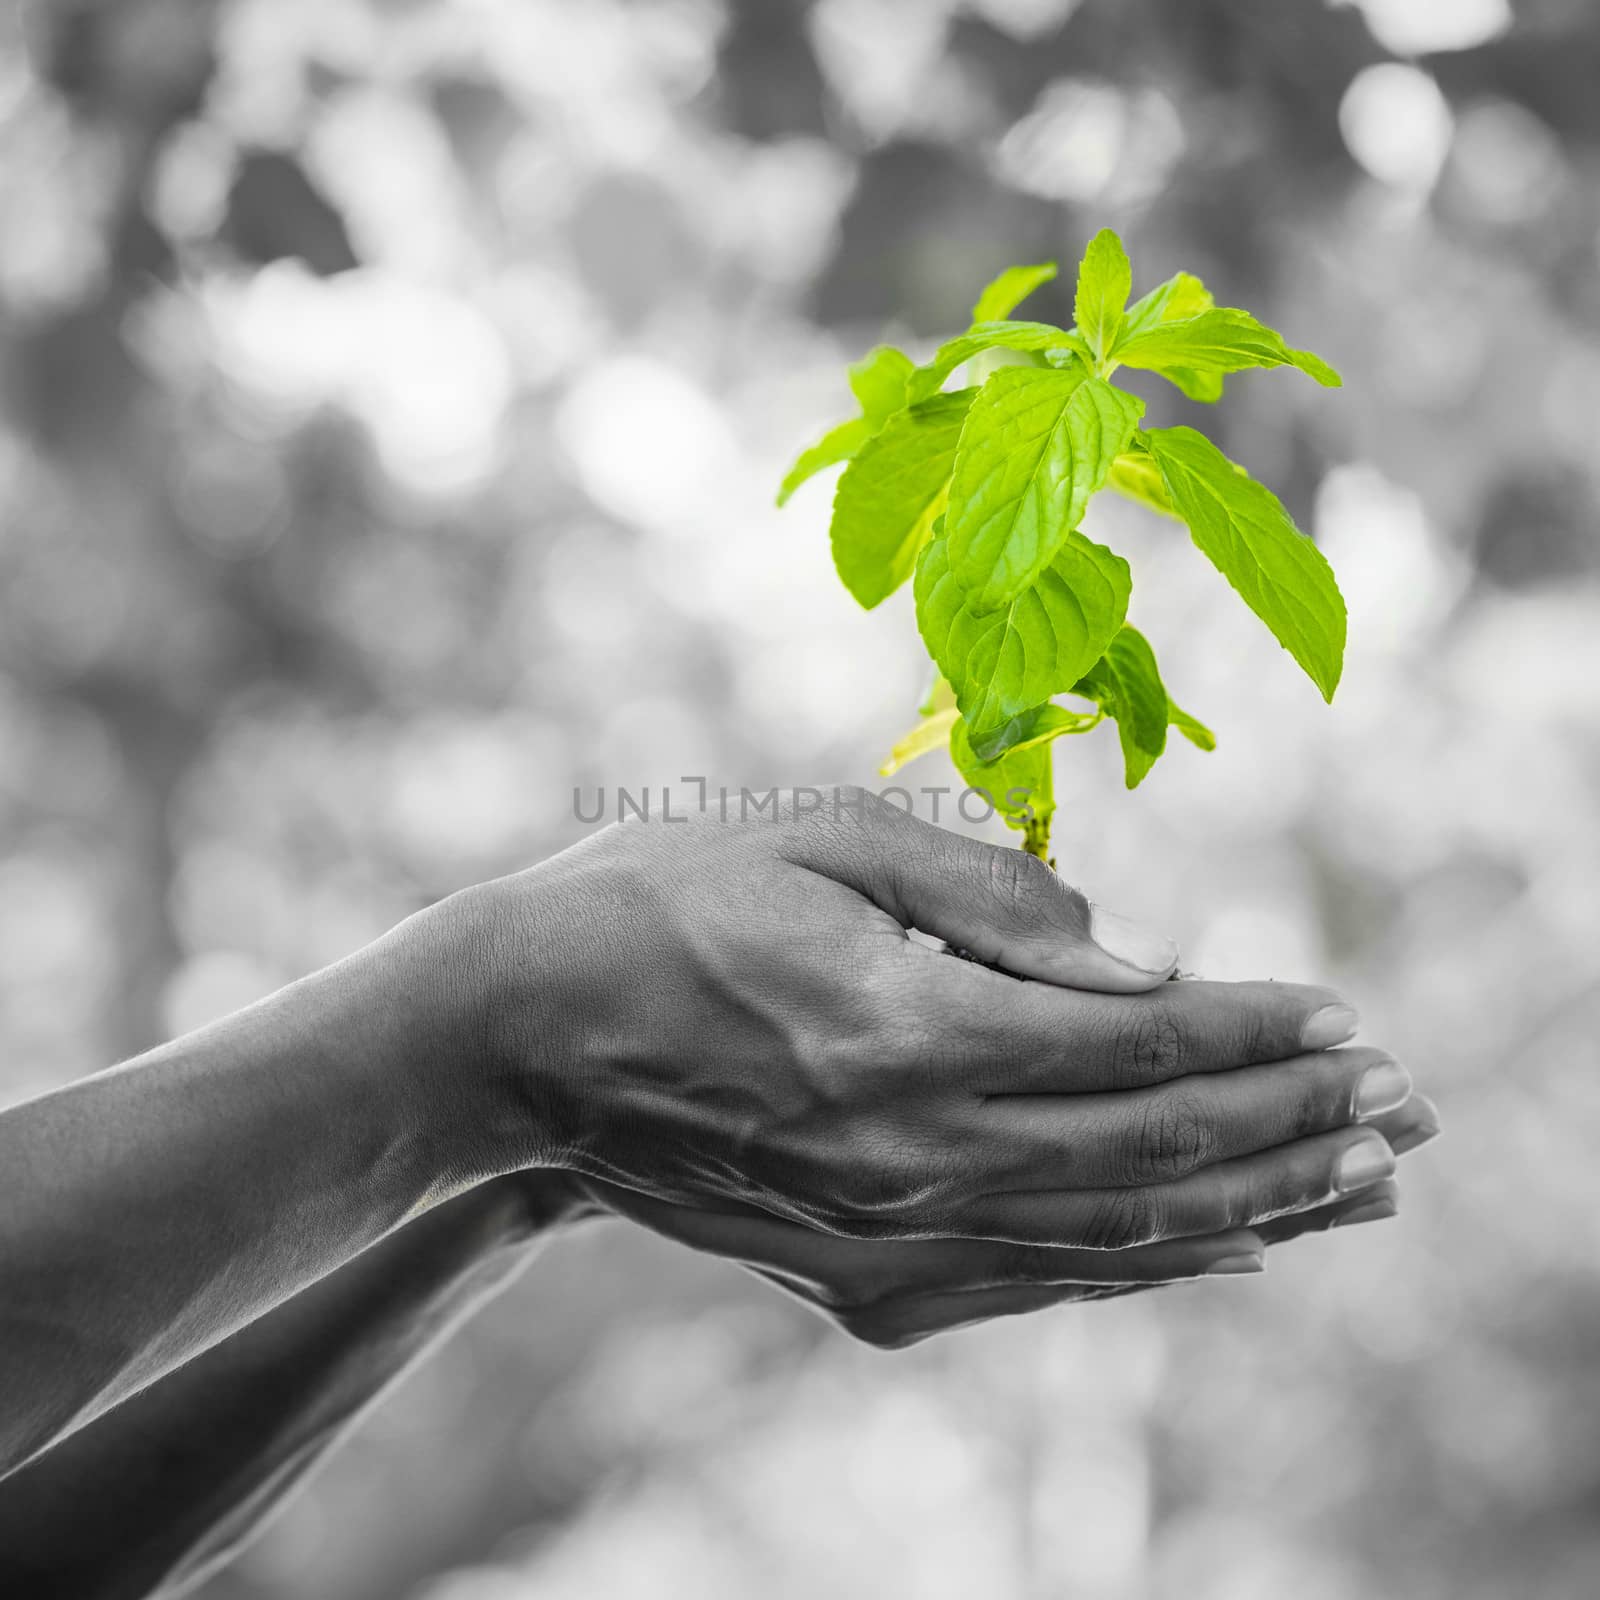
x,y
156,1493
152,1210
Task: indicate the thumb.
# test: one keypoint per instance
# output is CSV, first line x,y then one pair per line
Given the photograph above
x,y
1007,907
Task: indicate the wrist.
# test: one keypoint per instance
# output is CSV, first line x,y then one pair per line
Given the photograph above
x,y
542,1202
458,1004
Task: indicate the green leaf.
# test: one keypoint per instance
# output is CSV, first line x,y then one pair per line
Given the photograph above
x,y
1135,475
1244,531
1205,387
1072,348
1047,723
1126,684
1002,295
1105,280
1215,342
891,494
1182,295
1020,783
878,381
1003,663
981,336
932,733
1036,445
937,731
836,445
1195,731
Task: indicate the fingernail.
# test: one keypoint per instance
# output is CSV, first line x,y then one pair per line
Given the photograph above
x,y
1385,1087
1371,1211
1362,1165
1414,1138
1236,1266
1130,942
1330,1026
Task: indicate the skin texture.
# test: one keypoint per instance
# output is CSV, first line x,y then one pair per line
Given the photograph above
x,y
785,1045
711,1017
184,1474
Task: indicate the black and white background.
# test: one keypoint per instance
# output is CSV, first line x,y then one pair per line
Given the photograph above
x,y
393,396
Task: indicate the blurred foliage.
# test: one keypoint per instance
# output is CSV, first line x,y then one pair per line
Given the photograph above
x,y
393,393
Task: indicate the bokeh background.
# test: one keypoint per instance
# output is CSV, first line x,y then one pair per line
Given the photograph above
x,y
393,395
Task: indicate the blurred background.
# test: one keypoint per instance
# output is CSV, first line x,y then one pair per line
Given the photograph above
x,y
393,396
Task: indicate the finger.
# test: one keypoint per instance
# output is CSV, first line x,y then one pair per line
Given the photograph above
x,y
1241,1193
930,1267
1238,1253
1410,1126
905,1320
1165,1132
996,1036
899,1324
1376,1204
1102,1274
879,1268
801,1259
1003,905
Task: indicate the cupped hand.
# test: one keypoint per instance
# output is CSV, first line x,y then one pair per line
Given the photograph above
x,y
734,1013
893,1294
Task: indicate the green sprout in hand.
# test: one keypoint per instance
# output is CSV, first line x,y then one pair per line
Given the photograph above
x,y
977,494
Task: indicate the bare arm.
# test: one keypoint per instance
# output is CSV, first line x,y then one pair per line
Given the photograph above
x,y
153,1496
157,1494
707,1015
151,1210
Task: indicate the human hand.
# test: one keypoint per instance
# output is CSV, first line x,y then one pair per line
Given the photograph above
x,y
893,1293
735,1013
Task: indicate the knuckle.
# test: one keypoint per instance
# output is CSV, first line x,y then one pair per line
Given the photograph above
x,y
1152,1047
893,1179
1124,1220
1019,881
1174,1138
914,1175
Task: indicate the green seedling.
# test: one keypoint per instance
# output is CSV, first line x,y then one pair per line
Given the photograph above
x,y
977,495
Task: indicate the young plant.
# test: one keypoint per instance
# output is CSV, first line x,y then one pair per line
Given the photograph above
x,y
977,494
